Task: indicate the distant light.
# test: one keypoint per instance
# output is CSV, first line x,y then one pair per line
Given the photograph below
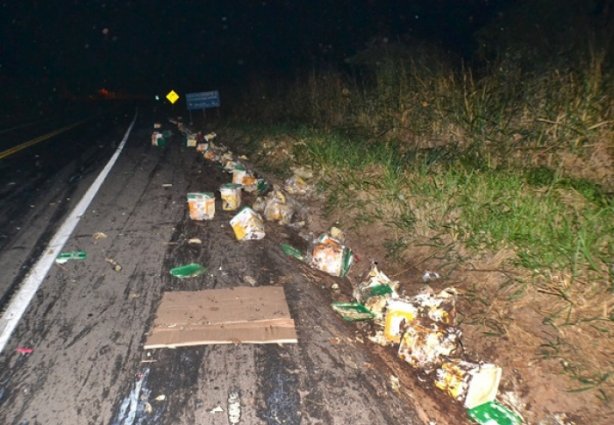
x,y
157,97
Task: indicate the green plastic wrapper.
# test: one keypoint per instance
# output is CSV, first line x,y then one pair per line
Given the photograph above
x,y
70,255
262,186
348,259
353,312
379,290
292,251
188,270
494,413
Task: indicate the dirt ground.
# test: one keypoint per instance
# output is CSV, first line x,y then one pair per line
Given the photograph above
x,y
537,381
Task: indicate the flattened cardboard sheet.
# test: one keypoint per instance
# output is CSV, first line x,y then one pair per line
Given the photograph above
x,y
257,315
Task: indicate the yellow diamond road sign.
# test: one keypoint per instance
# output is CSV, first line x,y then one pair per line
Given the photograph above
x,y
172,96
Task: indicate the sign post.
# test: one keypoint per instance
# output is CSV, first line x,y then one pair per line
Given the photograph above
x,y
202,100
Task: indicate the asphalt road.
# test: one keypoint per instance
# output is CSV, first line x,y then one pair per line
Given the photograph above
x,y
87,323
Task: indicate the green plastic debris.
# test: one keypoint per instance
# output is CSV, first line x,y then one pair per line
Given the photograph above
x,y
352,311
162,142
292,251
188,270
262,186
494,413
379,290
70,255
348,259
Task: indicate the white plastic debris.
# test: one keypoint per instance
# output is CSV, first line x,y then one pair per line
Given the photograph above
x,y
247,225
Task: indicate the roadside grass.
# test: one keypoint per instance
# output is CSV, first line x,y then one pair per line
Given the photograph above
x,y
553,223
560,229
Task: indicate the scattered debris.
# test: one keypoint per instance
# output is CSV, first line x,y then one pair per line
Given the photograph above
x,y
238,173
156,136
209,137
399,314
494,413
376,291
470,383
148,357
249,280
330,256
210,155
188,270
116,266
167,185
231,196
234,408
421,325
190,141
303,172
395,384
423,345
430,276
161,397
147,407
337,233
24,351
160,139
440,307
352,311
247,225
295,185
71,255
201,205
277,206
292,251
99,235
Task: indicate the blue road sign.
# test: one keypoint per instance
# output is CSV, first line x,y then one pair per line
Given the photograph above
x,y
203,100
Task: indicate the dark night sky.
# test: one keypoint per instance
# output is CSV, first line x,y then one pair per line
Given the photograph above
x,y
150,45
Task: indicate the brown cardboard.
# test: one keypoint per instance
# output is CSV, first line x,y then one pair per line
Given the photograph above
x,y
257,315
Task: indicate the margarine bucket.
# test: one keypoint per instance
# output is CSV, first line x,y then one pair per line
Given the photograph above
x,y
231,196
201,205
238,174
471,383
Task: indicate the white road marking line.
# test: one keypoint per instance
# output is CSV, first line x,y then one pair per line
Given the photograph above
x,y
20,301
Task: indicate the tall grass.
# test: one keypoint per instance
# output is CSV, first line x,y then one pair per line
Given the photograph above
x,y
504,159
